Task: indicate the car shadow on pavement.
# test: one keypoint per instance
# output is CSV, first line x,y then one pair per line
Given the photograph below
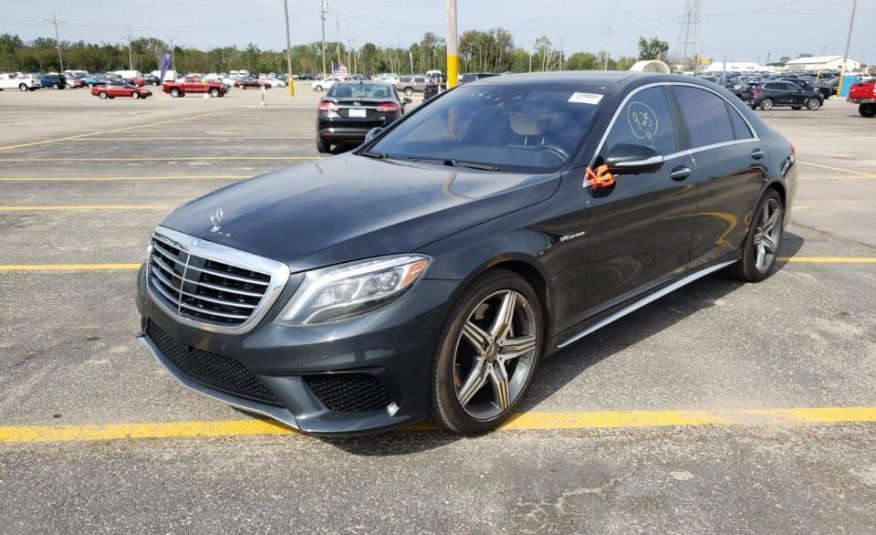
x,y
558,370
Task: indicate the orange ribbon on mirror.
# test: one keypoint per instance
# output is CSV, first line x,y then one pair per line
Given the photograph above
x,y
599,179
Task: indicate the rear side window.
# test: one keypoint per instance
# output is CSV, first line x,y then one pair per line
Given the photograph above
x,y
705,114
740,128
645,119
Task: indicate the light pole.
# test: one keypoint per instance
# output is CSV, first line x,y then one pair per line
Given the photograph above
x,y
54,20
322,17
452,53
288,51
839,85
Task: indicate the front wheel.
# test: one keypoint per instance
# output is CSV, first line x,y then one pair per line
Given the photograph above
x,y
56,86
487,355
767,104
214,92
22,87
867,110
135,95
409,91
813,104
174,92
318,88
761,246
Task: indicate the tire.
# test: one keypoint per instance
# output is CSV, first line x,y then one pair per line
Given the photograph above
x,y
102,95
322,147
409,91
135,95
766,104
174,92
318,88
214,92
56,86
796,107
492,381
867,110
22,87
751,268
813,104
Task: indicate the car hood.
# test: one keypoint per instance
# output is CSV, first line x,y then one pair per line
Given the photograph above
x,y
350,207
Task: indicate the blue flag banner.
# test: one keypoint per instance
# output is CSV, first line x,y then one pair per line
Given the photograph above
x,y
164,65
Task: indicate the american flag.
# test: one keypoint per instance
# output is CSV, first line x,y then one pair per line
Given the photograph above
x,y
339,69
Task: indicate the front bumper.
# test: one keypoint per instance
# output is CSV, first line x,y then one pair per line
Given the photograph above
x,y
361,375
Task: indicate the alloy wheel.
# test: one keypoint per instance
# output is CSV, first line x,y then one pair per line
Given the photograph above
x,y
494,354
767,235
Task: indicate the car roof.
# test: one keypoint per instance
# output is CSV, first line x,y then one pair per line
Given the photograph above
x,y
607,78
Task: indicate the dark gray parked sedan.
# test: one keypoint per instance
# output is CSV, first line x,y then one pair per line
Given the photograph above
x,y
430,271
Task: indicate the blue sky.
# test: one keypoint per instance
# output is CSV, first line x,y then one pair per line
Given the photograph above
x,y
743,30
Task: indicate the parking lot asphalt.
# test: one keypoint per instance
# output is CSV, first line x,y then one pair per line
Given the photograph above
x,y
722,408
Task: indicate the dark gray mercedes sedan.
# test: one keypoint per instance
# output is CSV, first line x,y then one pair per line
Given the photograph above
x,y
430,271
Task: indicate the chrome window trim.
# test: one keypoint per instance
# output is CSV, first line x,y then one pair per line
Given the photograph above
x,y
278,272
755,136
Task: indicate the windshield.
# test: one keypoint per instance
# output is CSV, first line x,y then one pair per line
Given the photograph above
x,y
512,128
363,91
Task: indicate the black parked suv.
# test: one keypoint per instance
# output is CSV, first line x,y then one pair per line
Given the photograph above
x,y
55,81
778,93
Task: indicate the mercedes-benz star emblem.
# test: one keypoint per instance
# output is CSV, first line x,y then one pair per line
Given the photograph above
x,y
216,219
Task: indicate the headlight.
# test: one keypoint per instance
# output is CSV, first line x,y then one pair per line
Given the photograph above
x,y
347,290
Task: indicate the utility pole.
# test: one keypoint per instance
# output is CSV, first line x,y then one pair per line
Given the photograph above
x,y
173,57
338,47
54,20
130,49
839,85
452,38
288,50
322,17
608,48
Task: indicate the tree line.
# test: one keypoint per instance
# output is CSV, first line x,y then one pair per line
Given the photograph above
x,y
479,51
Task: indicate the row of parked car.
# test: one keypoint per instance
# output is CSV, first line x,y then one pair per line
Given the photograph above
x,y
31,82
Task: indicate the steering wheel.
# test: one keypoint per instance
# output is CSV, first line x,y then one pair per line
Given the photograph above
x,y
556,150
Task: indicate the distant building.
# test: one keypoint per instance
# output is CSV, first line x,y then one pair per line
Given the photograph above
x,y
732,66
822,63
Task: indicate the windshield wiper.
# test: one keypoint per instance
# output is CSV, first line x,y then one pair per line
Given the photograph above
x,y
376,155
452,163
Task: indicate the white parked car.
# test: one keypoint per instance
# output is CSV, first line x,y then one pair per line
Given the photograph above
x,y
387,77
20,81
273,82
326,83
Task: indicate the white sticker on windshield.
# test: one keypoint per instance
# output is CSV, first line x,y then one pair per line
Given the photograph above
x,y
585,98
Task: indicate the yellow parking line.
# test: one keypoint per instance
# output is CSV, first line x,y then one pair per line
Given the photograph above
x,y
67,267
100,178
161,159
828,259
114,130
528,421
832,168
84,208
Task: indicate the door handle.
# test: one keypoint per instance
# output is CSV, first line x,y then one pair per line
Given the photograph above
x,y
757,154
679,173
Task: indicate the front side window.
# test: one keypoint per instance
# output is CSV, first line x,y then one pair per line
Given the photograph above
x,y
705,114
514,128
645,119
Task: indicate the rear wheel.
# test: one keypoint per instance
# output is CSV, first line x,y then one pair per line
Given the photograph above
x,y
102,95
867,110
22,87
761,246
767,104
813,104
487,355
135,95
214,92
322,147
409,91
56,86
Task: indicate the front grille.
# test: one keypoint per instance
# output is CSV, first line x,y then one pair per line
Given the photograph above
x,y
202,289
354,392
210,369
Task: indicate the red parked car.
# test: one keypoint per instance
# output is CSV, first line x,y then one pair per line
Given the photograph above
x,y
864,95
115,89
193,84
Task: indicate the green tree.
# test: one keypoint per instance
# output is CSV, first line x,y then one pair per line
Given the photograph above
x,y
582,61
652,48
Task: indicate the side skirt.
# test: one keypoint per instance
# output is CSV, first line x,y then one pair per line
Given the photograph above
x,y
650,298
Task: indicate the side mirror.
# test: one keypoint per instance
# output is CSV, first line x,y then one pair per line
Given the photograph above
x,y
407,100
626,158
373,133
